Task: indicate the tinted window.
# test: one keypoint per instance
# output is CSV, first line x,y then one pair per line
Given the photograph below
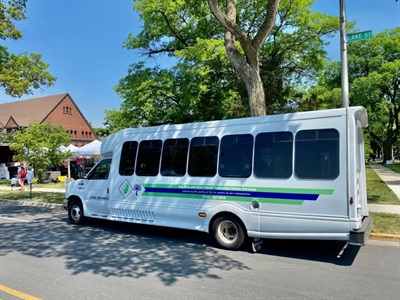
x,y
317,154
128,157
148,161
273,155
236,155
174,157
203,156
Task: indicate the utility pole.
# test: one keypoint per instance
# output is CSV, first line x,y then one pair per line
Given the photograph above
x,y
343,56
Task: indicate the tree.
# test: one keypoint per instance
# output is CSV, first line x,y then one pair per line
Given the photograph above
x,y
246,60
19,73
203,85
374,77
182,94
38,146
379,92
374,82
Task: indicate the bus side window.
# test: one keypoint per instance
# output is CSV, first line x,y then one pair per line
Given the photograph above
x,y
128,157
317,154
203,156
174,157
236,155
273,155
148,160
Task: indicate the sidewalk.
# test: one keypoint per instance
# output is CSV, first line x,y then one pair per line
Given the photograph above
x,y
34,189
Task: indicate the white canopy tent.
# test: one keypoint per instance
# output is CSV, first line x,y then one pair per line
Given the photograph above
x,y
92,148
62,148
72,148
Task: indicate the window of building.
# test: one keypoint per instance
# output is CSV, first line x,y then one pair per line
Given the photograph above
x,y
236,155
174,157
148,161
273,155
317,154
128,157
203,156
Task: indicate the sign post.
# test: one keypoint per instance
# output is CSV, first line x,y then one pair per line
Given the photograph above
x,y
343,56
359,36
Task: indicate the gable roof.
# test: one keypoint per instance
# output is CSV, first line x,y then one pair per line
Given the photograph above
x,y
25,112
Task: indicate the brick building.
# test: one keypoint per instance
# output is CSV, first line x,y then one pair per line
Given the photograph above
x,y
57,109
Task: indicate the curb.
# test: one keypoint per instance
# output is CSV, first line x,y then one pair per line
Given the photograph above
x,y
385,235
29,202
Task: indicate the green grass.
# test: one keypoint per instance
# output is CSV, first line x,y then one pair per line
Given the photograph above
x,y
386,223
46,197
377,191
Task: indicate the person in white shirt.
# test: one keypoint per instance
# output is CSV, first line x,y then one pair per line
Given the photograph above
x,y
13,182
30,177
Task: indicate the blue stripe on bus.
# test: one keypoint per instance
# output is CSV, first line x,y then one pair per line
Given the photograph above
x,y
275,195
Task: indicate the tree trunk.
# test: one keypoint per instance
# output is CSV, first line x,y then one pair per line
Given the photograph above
x,y
246,65
387,151
256,93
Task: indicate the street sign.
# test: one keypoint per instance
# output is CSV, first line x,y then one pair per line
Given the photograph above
x,y
359,36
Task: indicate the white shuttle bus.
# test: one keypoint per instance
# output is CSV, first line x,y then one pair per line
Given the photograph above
x,y
290,176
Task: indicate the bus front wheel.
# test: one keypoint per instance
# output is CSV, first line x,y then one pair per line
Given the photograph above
x,y
228,232
75,212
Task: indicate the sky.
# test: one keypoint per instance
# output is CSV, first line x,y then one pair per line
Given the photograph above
x,y
82,40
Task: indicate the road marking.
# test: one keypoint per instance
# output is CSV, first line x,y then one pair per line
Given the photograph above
x,y
13,219
17,294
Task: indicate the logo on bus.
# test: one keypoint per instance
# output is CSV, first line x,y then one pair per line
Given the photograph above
x,y
126,189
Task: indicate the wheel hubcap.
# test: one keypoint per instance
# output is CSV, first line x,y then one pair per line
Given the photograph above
x,y
75,212
227,231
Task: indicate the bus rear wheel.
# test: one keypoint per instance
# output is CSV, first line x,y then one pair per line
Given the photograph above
x,y
75,212
228,232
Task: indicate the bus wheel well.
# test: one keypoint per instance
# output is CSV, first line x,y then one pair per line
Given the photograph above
x,y
72,198
228,230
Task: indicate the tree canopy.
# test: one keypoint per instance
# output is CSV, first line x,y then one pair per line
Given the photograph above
x,y
19,73
374,82
203,84
38,145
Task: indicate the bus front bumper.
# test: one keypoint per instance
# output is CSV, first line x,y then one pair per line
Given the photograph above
x,y
359,237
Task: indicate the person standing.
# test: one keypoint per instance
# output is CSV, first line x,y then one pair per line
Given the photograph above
x,y
30,177
21,176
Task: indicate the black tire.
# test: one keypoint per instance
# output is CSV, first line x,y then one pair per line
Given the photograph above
x,y
228,232
75,212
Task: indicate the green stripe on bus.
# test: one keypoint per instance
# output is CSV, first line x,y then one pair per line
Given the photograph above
x,y
244,189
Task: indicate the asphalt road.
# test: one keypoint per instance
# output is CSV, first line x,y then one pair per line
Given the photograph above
x,y
44,257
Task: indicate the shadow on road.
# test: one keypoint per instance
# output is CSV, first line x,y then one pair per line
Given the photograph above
x,y
114,249
334,252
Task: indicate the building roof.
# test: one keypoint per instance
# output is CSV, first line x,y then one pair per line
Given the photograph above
x,y
25,112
